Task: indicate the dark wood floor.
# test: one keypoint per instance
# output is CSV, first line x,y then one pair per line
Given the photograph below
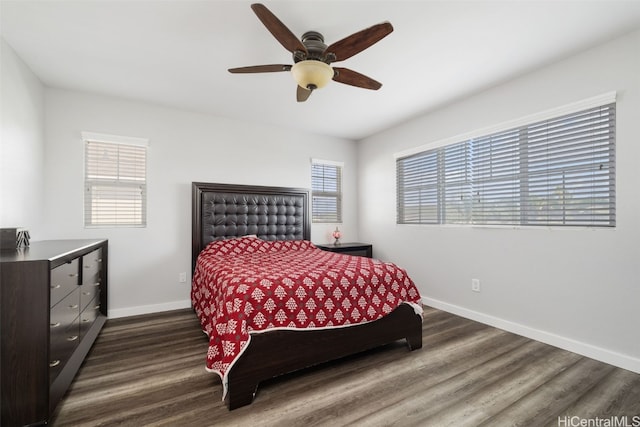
x,y
149,371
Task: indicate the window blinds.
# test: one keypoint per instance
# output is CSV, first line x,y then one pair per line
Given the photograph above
x,y
115,184
326,187
556,172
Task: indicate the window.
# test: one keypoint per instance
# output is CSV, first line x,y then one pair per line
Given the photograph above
x,y
555,172
326,188
115,181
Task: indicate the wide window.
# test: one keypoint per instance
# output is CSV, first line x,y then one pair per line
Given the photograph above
x,y
326,187
115,181
554,172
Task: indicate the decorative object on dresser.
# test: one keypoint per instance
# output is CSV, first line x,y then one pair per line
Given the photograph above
x,y
8,239
53,298
359,249
23,237
225,211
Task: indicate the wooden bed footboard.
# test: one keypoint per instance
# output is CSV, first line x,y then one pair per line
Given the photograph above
x,y
279,352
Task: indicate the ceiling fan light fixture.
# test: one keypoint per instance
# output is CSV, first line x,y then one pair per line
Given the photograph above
x,y
312,74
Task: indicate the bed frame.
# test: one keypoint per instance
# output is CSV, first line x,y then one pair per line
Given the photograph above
x,y
277,213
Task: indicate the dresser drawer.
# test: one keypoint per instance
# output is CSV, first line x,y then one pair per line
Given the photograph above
x,y
64,313
61,347
64,279
64,332
88,316
88,292
91,265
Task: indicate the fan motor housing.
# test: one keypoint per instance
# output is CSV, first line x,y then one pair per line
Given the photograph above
x,y
314,42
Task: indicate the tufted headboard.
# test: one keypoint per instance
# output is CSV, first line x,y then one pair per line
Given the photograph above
x,y
222,211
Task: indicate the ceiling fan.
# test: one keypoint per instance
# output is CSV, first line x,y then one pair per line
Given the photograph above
x,y
312,57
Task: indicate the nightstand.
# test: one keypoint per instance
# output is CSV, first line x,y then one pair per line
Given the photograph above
x,y
358,249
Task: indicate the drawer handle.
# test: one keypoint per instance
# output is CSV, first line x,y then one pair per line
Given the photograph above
x,y
54,325
72,306
96,284
72,338
55,286
73,274
99,260
96,307
86,320
86,293
54,363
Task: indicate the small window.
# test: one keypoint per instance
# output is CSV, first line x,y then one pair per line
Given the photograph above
x,y
115,181
555,172
326,186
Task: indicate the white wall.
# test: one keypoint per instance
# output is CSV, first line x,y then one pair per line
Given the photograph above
x,y
21,144
578,289
144,263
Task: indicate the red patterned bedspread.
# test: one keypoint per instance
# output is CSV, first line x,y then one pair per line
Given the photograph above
x,y
247,285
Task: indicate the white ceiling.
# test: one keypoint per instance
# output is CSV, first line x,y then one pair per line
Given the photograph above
x,y
176,53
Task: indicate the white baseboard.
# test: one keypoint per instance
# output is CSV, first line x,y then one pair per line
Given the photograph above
x,y
588,350
146,309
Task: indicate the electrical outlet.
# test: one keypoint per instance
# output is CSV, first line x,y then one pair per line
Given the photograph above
x,y
475,285
182,277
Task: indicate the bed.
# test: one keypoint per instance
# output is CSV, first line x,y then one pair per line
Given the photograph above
x,y
233,228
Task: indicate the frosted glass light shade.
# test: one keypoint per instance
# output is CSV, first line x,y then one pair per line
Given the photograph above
x,y
312,73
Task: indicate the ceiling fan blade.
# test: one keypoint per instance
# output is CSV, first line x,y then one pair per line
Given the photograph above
x,y
278,29
353,78
302,94
358,42
261,68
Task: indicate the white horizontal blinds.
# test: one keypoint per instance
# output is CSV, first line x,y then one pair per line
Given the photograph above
x,y
571,169
559,171
326,186
417,189
497,178
455,183
115,184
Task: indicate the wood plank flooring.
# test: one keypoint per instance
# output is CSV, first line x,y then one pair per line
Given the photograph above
x,y
149,371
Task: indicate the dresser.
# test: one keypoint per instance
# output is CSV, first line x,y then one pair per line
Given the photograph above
x,y
359,249
53,302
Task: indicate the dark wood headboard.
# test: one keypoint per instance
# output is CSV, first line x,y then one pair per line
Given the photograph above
x,y
222,211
